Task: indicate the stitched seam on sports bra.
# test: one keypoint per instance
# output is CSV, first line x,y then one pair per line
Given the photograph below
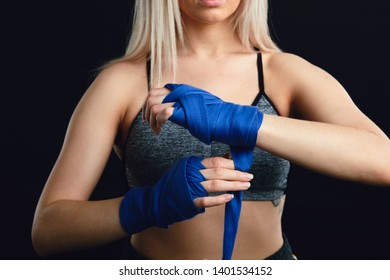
x,y
271,103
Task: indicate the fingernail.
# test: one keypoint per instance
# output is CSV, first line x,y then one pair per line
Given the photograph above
x,y
249,176
246,184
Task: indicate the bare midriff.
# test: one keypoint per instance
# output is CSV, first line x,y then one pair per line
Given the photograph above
x,y
259,235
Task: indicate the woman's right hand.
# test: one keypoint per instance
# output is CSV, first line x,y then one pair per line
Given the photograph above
x,y
221,176
181,193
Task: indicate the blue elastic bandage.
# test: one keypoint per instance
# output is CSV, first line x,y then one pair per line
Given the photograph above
x,y
209,118
171,200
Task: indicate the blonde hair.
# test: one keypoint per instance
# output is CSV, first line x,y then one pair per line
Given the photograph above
x,y
157,33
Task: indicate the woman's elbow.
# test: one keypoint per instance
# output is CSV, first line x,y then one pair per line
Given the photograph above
x,y
381,171
385,176
385,173
39,241
42,234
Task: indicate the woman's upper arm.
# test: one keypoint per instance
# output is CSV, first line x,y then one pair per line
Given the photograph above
x,y
317,96
91,133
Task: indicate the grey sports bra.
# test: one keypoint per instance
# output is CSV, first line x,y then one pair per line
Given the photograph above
x,y
147,156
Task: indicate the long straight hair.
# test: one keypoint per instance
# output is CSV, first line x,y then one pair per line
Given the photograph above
x,y
157,33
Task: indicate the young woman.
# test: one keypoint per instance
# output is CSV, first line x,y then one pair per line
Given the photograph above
x,y
176,203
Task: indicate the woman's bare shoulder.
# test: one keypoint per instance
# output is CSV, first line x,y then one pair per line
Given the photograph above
x,y
124,76
282,72
117,86
286,62
291,72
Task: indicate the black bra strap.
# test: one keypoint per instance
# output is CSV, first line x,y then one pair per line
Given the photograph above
x,y
148,71
260,78
260,71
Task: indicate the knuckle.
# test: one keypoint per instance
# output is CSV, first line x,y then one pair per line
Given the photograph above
x,y
149,100
154,109
166,112
214,184
215,161
202,202
218,172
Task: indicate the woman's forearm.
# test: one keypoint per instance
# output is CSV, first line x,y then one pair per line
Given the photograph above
x,y
343,152
65,225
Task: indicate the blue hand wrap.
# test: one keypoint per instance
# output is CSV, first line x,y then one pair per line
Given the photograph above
x,y
209,118
171,200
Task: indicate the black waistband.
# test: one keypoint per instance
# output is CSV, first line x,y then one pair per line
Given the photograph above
x,y
284,253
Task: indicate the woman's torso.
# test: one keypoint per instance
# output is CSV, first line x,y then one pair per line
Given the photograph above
x,y
235,80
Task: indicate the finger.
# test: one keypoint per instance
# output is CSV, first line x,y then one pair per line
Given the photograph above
x,y
155,111
164,115
144,107
226,174
212,186
150,102
211,201
143,110
155,96
214,162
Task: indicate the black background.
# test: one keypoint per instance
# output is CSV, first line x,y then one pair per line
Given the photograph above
x,y
50,53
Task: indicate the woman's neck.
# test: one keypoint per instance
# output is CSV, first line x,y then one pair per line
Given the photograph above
x,y
205,40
